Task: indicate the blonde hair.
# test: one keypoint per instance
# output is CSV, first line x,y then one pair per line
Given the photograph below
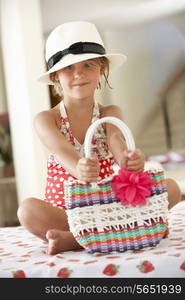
x,y
102,61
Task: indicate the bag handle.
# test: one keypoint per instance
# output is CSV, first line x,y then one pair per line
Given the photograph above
x,y
115,121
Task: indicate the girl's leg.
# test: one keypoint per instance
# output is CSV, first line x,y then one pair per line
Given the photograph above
x,y
48,223
174,193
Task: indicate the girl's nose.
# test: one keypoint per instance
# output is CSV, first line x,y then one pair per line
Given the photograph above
x,y
78,72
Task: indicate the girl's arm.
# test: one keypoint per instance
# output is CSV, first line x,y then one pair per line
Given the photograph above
x,y
53,139
134,161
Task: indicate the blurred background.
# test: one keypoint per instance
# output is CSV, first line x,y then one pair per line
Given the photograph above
x,y
149,87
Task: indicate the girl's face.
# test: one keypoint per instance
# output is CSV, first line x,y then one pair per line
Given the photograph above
x,y
80,79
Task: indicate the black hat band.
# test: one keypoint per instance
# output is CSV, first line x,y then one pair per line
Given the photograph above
x,y
77,48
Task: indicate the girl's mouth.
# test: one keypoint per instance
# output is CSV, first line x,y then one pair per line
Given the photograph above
x,y
80,84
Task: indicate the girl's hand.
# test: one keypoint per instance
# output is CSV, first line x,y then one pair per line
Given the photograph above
x,y
133,160
88,169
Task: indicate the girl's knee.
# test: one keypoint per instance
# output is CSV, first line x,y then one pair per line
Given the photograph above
x,y
174,193
24,211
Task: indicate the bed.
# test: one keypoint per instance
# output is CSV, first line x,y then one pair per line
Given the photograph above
x,y
24,255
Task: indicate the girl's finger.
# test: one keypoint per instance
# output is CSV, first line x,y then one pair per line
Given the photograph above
x,y
136,169
135,162
89,168
90,174
90,178
88,162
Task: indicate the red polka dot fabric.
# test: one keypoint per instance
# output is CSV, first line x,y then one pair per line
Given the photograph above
x,y
56,174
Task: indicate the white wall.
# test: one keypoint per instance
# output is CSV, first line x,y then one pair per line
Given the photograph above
x,y
155,51
22,45
3,100
179,21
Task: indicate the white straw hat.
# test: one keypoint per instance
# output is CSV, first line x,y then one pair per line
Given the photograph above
x,y
73,42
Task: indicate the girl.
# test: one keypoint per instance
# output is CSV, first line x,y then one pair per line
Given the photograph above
x,y
76,61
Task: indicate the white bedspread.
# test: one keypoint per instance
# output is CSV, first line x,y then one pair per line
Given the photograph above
x,y
24,255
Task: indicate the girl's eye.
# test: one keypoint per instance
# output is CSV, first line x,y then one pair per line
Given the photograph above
x,y
88,65
68,67
91,64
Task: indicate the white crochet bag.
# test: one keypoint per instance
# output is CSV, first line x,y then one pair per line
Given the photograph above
x,y
100,221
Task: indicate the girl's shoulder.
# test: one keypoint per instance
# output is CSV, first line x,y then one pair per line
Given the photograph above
x,y
52,114
111,111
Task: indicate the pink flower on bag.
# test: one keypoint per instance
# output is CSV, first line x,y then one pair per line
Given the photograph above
x,y
132,188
